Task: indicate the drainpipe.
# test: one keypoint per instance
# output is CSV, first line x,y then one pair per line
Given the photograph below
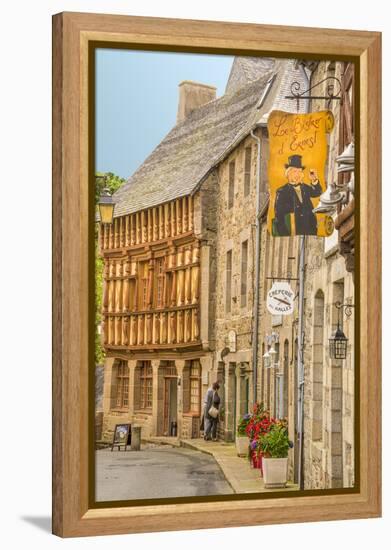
x,y
300,354
257,268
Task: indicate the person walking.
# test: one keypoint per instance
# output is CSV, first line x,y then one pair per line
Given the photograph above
x,y
211,412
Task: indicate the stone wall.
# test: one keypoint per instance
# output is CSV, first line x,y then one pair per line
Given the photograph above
x,y
205,230
234,308
279,258
329,387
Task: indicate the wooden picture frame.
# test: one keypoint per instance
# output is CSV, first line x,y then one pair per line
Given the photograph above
x,y
73,514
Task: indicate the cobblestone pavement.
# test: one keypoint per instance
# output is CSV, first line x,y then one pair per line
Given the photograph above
x,y
157,471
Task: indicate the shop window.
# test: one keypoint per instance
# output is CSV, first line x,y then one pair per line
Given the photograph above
x,y
146,377
195,387
122,385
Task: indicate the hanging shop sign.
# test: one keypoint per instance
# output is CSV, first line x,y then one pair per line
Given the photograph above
x,y
280,299
296,173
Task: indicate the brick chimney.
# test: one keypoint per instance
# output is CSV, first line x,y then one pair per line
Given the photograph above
x,y
193,95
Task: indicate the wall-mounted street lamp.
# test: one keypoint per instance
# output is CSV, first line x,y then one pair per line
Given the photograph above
x,y
329,200
345,160
106,206
269,355
336,193
338,343
345,163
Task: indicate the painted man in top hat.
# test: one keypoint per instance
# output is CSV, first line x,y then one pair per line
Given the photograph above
x,y
295,198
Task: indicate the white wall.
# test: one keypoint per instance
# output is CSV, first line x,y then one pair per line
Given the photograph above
x,y
25,491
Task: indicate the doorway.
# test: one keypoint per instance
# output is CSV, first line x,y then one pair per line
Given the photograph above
x,y
170,400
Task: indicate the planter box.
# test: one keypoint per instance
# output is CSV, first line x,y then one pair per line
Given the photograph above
x,y
256,461
242,443
275,472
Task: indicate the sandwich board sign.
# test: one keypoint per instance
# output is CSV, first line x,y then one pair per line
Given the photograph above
x,y
121,436
280,299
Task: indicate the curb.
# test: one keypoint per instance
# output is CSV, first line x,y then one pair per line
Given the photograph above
x,y
160,442
187,445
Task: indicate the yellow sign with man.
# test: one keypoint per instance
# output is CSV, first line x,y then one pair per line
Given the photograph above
x,y
296,173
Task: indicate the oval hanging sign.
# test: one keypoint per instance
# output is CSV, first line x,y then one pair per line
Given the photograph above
x,y
280,299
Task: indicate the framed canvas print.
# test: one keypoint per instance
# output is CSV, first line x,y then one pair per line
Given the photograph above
x,y
216,230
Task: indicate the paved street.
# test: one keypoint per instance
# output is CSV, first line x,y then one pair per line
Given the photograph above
x,y
157,472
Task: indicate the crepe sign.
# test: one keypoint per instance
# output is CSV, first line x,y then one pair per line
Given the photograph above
x,y
296,173
280,299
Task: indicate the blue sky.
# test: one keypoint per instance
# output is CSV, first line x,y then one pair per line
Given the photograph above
x,y
137,99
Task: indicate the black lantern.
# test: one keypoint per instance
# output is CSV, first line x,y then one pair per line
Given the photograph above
x,y
338,344
106,206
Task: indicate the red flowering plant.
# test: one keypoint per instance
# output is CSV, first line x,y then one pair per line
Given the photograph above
x,y
258,425
276,426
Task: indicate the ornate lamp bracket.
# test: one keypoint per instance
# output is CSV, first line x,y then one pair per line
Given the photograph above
x,y
347,308
298,94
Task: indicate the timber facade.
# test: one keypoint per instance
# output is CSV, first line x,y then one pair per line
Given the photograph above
x,y
151,327
152,274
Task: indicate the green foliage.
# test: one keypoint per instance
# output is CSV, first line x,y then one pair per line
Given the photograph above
x,y
244,422
107,179
275,443
113,182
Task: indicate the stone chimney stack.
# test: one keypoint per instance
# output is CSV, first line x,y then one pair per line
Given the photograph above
x,y
191,96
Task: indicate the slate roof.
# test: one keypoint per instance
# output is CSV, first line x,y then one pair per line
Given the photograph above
x,y
193,147
247,69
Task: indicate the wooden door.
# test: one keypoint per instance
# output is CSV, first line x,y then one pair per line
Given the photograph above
x,y
169,404
166,407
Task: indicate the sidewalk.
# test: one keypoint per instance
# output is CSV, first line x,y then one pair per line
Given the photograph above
x,y
237,470
162,440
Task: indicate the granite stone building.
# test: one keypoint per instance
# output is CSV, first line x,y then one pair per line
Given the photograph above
x,y
330,383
